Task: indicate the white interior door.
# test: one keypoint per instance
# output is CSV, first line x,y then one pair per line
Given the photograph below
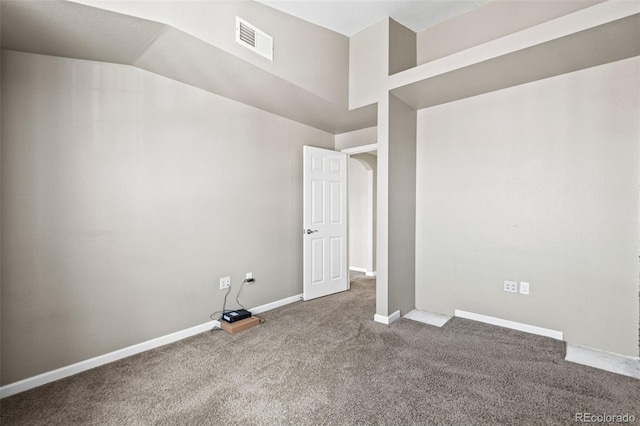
x,y
325,222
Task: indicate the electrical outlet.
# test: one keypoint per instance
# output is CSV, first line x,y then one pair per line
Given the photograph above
x,y
511,286
249,276
524,287
225,282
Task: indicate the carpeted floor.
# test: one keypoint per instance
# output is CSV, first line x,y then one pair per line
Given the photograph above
x,y
326,362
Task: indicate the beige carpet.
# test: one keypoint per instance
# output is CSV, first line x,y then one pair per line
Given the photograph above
x,y
327,362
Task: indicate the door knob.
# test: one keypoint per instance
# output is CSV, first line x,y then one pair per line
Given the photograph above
x,y
309,231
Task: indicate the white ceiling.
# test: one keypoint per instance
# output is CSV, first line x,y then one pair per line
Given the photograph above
x,y
352,16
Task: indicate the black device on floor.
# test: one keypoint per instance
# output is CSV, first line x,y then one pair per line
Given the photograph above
x,y
233,316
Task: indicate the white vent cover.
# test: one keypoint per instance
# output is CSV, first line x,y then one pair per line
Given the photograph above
x,y
254,39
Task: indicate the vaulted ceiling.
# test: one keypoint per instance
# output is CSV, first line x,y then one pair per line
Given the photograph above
x,y
193,54
96,31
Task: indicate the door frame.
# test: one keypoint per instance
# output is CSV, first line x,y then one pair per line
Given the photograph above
x,y
361,149
370,168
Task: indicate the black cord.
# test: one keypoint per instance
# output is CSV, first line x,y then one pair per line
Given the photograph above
x,y
224,303
223,311
238,295
220,312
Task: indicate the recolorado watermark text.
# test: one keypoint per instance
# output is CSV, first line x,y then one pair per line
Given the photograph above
x,y
603,418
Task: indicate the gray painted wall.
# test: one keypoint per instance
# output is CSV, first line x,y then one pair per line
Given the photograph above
x,y
368,64
402,206
488,22
395,237
402,48
536,183
125,197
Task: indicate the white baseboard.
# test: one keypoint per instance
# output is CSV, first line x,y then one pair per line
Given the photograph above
x,y
79,367
366,272
276,304
386,320
88,364
615,363
558,335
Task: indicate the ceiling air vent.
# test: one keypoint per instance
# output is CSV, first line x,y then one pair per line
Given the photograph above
x,y
254,39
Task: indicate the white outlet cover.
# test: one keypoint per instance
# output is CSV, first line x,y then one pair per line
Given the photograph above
x,y
524,287
249,275
511,286
225,282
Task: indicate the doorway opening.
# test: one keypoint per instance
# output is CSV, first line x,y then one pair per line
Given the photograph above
x,y
362,201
